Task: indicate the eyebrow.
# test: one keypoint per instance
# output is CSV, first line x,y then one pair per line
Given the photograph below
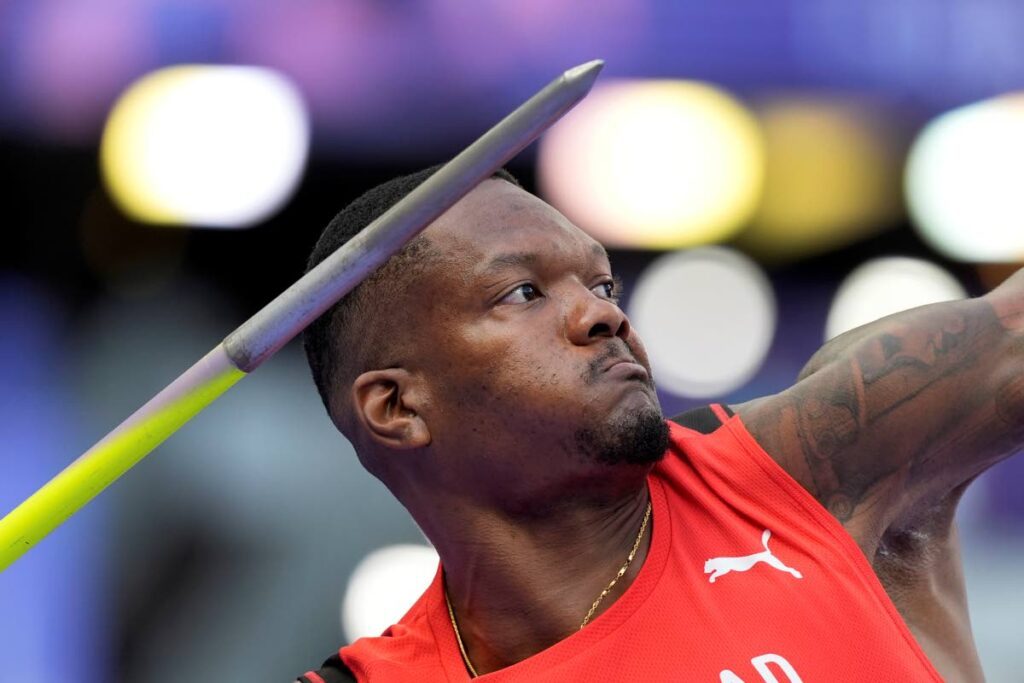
x,y
528,259
509,260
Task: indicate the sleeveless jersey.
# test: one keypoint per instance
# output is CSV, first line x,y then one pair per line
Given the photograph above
x,y
748,579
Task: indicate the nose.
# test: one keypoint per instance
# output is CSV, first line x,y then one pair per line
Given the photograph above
x,y
593,319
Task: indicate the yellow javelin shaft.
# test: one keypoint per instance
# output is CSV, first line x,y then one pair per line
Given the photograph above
x,y
98,467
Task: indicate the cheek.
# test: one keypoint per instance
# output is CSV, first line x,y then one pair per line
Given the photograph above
x,y
519,377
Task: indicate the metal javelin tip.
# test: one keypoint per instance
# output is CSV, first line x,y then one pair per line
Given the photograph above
x,y
585,74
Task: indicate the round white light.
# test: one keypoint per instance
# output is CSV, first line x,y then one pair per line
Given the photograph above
x,y
659,164
217,146
384,586
885,286
707,318
963,181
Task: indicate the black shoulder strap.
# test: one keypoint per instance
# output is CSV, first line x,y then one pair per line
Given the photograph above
x,y
703,419
332,671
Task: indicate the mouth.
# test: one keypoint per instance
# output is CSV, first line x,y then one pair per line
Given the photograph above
x,y
617,361
624,368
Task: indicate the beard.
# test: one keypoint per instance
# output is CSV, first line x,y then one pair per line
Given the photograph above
x,y
639,438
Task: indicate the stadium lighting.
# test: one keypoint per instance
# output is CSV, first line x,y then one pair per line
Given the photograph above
x,y
655,164
707,317
963,181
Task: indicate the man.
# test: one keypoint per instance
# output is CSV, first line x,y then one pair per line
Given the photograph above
x,y
488,378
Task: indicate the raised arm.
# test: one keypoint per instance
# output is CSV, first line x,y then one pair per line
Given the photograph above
x,y
903,409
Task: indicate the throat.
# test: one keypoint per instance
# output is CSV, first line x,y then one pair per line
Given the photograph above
x,y
509,603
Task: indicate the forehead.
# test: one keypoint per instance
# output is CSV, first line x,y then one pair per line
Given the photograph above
x,y
497,217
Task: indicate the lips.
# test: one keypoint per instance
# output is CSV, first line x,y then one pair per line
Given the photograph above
x,y
625,368
616,362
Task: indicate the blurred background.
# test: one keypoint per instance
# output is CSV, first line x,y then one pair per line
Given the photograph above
x,y
766,175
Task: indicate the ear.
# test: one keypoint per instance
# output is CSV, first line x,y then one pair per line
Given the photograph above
x,y
386,403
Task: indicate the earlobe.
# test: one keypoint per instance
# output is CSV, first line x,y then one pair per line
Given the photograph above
x,y
386,406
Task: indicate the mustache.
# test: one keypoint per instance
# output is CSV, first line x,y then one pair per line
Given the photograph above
x,y
618,349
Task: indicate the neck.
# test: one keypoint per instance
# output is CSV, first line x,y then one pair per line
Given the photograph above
x,y
518,585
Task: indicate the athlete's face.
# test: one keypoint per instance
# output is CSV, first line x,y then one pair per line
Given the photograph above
x,y
527,354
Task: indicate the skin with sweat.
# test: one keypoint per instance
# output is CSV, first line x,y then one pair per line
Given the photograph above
x,y
505,431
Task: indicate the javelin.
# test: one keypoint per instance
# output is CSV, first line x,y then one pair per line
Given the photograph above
x,y
262,335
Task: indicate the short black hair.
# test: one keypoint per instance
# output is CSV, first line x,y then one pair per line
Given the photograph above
x,y
339,344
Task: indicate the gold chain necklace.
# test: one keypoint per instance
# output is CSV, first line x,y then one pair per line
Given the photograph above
x,y
593,608
458,637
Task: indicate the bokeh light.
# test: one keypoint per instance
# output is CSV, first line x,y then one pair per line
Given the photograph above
x,y
384,586
217,146
654,164
963,181
832,176
885,286
707,317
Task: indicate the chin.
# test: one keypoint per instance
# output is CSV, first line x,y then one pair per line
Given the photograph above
x,y
637,438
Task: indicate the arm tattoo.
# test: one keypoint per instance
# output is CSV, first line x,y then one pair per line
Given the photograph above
x,y
920,397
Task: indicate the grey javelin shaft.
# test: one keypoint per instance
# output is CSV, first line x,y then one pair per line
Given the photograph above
x,y
292,311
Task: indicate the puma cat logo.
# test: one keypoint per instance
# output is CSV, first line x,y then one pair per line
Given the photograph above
x,y
719,566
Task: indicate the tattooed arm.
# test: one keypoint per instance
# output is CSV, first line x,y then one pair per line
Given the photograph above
x,y
904,409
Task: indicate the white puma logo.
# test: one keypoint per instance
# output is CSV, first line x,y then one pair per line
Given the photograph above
x,y
719,566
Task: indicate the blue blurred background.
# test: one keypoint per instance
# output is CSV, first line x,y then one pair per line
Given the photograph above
x,y
818,163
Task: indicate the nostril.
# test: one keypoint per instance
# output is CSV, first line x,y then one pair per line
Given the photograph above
x,y
623,330
601,330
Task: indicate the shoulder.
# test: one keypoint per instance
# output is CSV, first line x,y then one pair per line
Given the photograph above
x,y
333,670
818,441
773,422
405,651
752,451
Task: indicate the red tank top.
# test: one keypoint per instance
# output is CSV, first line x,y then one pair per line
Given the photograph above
x,y
748,580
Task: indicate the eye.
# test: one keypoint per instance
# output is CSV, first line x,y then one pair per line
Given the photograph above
x,y
522,294
609,290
